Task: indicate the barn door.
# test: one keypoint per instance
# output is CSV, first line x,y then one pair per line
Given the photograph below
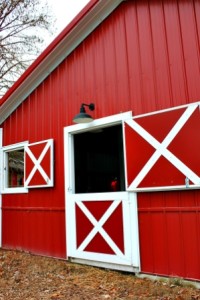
x,y
162,149
102,230
101,217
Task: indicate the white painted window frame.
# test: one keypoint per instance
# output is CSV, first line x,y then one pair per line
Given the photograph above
x,y
4,170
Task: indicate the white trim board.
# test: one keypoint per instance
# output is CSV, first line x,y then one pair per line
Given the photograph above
x,y
1,141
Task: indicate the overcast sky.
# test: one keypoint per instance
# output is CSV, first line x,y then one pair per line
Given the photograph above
x,y
65,11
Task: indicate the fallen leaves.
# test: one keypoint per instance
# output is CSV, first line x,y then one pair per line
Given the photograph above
x,y
30,277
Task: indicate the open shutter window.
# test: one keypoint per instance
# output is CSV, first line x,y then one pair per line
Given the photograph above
x,y
39,164
162,149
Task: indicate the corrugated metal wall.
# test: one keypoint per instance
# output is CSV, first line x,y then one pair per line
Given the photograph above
x,y
144,57
170,233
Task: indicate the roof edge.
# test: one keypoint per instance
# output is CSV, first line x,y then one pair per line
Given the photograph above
x,y
75,32
48,49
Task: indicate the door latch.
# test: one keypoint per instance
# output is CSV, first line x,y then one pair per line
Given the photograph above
x,y
187,182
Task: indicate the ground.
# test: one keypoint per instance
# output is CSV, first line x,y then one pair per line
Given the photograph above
x,y
30,277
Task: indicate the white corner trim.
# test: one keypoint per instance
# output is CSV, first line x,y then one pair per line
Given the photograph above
x,y
1,141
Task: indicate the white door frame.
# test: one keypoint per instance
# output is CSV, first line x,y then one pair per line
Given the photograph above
x,y
80,128
130,205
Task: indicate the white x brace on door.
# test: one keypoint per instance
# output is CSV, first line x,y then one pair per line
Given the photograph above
x,y
102,230
39,164
162,149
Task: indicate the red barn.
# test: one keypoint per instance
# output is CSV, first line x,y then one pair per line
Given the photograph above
x,y
123,190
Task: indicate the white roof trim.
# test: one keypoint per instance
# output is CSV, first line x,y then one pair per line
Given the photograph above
x,y
84,27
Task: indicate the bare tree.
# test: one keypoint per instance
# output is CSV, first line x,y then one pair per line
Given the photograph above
x,y
22,26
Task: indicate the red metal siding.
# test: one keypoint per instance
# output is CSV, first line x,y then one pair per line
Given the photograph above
x,y
36,229
169,225
143,57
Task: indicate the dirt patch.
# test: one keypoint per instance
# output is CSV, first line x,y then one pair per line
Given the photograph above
x,y
30,277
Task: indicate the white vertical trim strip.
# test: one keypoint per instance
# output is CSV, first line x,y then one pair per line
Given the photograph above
x,y
70,219
131,230
134,224
125,156
65,189
1,178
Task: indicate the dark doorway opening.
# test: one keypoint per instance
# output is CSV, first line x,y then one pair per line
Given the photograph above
x,y
99,160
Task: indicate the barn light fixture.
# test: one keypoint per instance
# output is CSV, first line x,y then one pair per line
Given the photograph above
x,y
83,117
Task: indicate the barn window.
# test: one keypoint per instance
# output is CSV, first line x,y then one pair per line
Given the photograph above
x,y
13,169
99,160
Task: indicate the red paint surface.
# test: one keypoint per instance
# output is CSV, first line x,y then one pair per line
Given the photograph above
x,y
135,155
113,227
185,146
169,233
38,230
143,57
160,124
163,174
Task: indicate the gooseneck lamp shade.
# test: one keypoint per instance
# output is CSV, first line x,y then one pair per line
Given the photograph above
x,y
83,117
